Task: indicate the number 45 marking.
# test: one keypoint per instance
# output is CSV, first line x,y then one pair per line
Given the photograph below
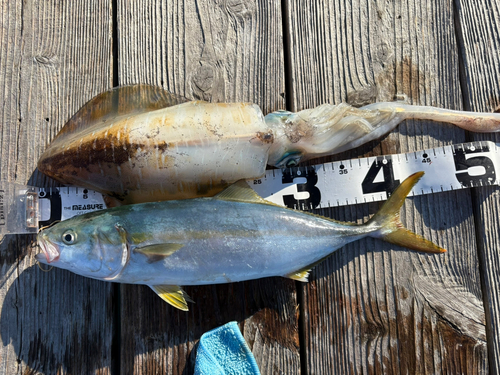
x,y
467,169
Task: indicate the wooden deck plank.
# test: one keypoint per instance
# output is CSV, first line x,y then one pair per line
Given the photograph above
x,y
480,46
54,57
372,307
216,51
369,308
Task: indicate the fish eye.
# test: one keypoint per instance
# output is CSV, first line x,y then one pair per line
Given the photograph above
x,y
290,160
69,237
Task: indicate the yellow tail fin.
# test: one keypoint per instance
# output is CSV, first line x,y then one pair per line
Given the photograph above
x,y
391,229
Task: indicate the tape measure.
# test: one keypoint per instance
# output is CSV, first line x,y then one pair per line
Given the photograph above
x,y
61,203
24,209
373,179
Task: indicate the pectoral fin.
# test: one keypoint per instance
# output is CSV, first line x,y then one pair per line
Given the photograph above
x,y
157,252
173,294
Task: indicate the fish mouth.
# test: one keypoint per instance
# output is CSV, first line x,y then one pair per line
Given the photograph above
x,y
50,252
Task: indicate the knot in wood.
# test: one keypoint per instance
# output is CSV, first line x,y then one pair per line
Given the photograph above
x,y
241,9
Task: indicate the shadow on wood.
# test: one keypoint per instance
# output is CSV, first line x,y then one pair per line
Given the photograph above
x,y
56,327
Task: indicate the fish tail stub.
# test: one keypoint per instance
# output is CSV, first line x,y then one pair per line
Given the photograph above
x,y
390,227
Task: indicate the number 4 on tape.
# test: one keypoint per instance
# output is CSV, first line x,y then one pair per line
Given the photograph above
x,y
373,179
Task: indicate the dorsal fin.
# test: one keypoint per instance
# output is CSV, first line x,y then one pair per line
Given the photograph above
x,y
240,192
119,101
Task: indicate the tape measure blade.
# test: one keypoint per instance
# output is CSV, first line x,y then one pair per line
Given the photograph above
x,y
343,183
439,168
77,201
372,179
61,203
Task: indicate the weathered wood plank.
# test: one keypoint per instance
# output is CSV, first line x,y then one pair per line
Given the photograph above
x,y
54,57
479,39
216,51
379,310
373,307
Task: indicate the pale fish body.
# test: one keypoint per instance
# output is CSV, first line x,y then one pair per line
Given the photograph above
x,y
234,236
180,151
141,144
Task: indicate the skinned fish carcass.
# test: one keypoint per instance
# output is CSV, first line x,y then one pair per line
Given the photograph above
x,y
140,143
231,237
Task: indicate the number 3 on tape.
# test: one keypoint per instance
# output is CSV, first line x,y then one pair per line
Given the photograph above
x,y
375,178
309,186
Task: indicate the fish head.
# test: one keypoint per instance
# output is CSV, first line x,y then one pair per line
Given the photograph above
x,y
324,130
98,250
285,150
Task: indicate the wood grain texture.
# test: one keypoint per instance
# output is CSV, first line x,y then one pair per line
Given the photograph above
x,y
479,39
216,51
54,56
372,307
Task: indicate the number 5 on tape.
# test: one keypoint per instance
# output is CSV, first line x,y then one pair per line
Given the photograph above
x,y
373,179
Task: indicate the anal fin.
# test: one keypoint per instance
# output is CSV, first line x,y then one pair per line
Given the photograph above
x,y
173,295
302,275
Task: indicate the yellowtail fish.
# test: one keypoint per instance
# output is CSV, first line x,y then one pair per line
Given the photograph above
x,y
231,237
142,144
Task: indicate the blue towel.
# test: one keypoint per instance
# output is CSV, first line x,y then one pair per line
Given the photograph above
x,y
223,351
